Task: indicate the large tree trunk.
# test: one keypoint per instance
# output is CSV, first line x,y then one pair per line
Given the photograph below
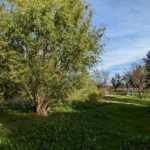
x,y
39,107
115,89
42,107
140,93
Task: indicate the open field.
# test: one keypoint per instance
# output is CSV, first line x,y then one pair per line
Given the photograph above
x,y
104,125
124,89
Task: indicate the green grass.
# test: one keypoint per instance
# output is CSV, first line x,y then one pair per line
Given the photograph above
x,y
121,97
81,126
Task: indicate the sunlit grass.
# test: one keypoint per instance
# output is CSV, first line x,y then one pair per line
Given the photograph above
x,y
83,125
120,97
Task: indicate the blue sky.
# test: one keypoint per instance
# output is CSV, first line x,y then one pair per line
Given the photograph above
x,y
128,28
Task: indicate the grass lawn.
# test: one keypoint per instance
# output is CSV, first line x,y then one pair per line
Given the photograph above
x,y
104,125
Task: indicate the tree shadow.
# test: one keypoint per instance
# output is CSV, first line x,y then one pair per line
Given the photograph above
x,y
18,106
89,125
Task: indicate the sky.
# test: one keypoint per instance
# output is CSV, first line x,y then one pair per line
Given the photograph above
x,y
128,28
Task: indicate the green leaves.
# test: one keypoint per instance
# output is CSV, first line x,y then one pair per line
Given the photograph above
x,y
45,42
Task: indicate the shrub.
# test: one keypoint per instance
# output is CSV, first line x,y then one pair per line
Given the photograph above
x,y
9,89
147,93
18,104
104,91
81,91
94,94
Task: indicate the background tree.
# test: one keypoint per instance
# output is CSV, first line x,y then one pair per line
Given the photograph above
x,y
126,80
46,45
147,66
138,75
122,85
101,77
116,81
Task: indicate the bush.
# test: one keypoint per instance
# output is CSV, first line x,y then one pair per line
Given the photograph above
x,y
9,89
94,94
146,93
105,91
18,104
81,90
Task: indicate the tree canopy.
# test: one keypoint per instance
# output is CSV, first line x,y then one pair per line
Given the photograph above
x,y
101,77
147,66
137,77
46,44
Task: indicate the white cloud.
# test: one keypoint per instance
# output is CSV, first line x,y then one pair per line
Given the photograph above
x,y
128,29
125,54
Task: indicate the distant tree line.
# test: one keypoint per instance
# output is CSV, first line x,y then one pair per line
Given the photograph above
x,y
137,76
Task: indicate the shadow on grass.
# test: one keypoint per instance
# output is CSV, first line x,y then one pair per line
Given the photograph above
x,y
88,126
19,107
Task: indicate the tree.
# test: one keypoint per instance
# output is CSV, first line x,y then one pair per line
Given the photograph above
x,y
126,80
48,44
122,85
138,75
116,81
101,77
147,66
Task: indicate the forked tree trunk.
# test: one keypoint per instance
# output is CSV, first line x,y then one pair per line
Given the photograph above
x,y
42,107
39,107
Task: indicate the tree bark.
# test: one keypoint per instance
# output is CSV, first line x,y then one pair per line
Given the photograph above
x,y
140,94
127,87
115,89
39,107
42,107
